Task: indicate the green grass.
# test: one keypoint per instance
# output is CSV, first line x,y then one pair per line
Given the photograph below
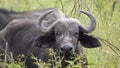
x,y
108,26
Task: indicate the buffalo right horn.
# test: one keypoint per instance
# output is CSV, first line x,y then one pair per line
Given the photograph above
x,y
40,24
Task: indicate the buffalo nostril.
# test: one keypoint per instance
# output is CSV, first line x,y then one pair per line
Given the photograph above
x,y
66,49
70,49
62,49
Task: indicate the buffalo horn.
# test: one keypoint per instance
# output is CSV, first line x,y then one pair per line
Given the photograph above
x,y
93,23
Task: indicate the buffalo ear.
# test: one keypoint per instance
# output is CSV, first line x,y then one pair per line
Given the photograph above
x,y
44,41
89,41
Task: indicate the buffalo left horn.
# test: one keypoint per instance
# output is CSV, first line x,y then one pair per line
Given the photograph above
x,y
93,23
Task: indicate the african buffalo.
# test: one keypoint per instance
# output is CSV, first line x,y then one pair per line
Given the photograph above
x,y
52,29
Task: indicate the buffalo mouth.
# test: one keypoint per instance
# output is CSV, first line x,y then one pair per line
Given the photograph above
x,y
66,55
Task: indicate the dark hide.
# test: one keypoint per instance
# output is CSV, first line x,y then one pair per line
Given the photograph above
x,y
23,36
6,16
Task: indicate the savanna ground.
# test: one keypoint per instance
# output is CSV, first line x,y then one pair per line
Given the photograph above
x,y
107,13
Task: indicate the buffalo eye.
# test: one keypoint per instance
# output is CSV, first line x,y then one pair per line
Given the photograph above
x,y
58,34
75,34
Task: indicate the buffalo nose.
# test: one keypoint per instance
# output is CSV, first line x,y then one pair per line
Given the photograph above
x,y
66,48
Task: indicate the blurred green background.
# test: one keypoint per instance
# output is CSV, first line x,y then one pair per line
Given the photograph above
x,y
107,13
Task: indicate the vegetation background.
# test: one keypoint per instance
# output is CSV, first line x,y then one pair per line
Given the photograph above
x,y
107,13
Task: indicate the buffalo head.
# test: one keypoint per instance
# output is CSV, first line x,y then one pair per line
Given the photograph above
x,y
66,32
